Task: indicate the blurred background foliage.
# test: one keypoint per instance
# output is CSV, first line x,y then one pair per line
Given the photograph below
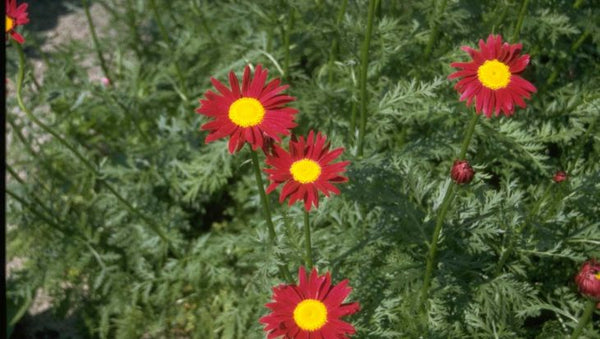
x,y
106,266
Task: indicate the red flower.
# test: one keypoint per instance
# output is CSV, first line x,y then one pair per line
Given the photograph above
x,y
16,16
491,78
305,170
588,279
250,114
560,176
462,172
311,309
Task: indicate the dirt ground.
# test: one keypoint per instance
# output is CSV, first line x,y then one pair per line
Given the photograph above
x,y
54,22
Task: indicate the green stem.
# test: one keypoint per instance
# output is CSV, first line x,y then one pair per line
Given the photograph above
x,y
283,269
165,36
263,197
431,257
307,243
468,136
30,207
585,318
334,45
434,243
84,161
286,44
517,29
364,65
434,29
95,39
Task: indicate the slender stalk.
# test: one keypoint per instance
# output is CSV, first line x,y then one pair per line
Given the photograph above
x,y
30,207
286,44
263,197
353,111
434,243
517,29
165,36
434,29
307,243
283,269
78,155
364,65
95,39
585,318
334,45
431,257
468,136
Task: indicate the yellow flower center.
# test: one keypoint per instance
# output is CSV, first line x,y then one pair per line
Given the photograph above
x,y
310,314
494,74
9,24
597,275
305,171
246,112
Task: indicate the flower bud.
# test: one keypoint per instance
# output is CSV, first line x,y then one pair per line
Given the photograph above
x,y
588,279
105,82
560,176
462,172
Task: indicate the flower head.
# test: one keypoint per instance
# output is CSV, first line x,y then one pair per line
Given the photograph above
x,y
248,114
305,170
462,172
311,309
16,16
560,176
588,279
492,77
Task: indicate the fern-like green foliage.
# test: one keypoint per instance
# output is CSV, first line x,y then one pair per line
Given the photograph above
x,y
98,259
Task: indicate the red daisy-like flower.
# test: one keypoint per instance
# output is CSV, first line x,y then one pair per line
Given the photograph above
x,y
16,16
588,279
311,309
249,114
305,170
492,77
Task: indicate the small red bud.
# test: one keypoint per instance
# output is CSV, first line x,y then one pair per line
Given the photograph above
x,y
588,279
105,82
462,172
560,176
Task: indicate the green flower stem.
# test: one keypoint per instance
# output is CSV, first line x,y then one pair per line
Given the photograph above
x,y
434,28
95,39
30,207
468,136
517,29
307,243
334,45
165,36
434,242
263,197
286,44
283,269
86,163
585,318
364,66
431,257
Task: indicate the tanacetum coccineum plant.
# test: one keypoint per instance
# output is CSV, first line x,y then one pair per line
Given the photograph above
x,y
305,170
250,113
311,309
16,16
492,77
